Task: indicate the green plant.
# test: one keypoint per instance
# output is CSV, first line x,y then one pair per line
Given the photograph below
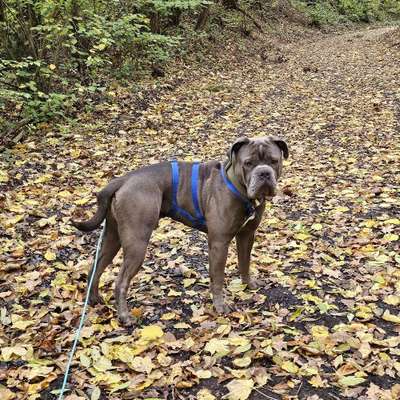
x,y
54,52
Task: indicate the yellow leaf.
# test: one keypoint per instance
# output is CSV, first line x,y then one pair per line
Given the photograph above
x,y
266,259
65,194
338,361
142,364
365,349
188,282
3,176
341,209
8,352
392,300
52,67
289,366
391,317
43,178
173,293
39,371
217,346
316,227
204,394
351,380
151,332
203,374
107,378
319,331
168,316
75,153
6,394
238,341
316,381
164,360
19,323
182,325
102,364
240,389
242,362
82,201
364,312
50,256
370,223
391,237
302,236
392,221
308,371
9,222
85,360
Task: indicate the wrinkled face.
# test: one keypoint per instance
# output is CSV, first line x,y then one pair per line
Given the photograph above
x,y
258,163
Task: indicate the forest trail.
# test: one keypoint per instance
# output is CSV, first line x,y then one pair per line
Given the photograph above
x,y
326,323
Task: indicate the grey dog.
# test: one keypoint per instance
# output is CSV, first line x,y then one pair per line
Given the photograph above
x,y
230,196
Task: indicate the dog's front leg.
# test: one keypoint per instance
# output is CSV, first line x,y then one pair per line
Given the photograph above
x,y
217,253
244,244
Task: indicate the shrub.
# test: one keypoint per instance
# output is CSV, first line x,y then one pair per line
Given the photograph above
x,y
53,52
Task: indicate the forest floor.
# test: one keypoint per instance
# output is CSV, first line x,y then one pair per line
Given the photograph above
x,y
325,324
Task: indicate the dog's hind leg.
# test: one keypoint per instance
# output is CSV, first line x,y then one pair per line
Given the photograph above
x,y
135,230
110,246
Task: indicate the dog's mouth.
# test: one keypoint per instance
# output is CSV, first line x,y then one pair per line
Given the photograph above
x,y
261,193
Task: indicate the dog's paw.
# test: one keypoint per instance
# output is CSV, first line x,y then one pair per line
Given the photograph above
x,y
95,299
222,308
127,320
252,284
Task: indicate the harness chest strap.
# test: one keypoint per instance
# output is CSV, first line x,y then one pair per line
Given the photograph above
x,y
198,219
248,205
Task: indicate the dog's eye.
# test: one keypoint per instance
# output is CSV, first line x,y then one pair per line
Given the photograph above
x,y
274,162
248,163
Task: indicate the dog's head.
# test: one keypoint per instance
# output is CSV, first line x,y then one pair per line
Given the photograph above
x,y
257,163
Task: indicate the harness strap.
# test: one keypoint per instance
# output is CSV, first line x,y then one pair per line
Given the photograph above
x,y
175,184
248,205
199,219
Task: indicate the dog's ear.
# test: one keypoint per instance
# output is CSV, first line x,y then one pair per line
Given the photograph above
x,y
282,145
236,146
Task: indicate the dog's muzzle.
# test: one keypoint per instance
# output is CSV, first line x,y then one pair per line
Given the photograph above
x,y
262,182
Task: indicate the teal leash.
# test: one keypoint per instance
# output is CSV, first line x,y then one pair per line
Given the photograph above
x,y
78,331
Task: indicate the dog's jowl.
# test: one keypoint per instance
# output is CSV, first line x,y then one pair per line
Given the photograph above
x,y
223,199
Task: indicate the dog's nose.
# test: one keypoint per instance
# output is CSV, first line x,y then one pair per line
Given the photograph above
x,y
265,175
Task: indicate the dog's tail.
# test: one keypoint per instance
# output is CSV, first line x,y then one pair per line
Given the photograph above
x,y
103,203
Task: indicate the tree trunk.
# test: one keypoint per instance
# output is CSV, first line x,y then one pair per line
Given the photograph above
x,y
230,4
203,18
175,18
234,5
155,22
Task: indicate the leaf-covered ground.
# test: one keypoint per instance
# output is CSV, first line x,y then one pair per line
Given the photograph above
x,y
325,324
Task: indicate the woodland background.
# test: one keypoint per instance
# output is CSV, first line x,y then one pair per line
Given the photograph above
x,y
92,89
59,56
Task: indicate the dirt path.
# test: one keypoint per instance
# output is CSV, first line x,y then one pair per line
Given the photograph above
x,y
326,323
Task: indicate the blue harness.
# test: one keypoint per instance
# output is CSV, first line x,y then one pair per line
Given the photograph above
x,y
198,220
248,205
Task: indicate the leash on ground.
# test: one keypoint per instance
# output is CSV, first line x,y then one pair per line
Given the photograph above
x,y
85,305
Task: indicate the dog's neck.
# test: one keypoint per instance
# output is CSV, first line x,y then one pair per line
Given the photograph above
x,y
230,173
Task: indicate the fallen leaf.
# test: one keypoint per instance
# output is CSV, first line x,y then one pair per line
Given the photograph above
x,y
240,389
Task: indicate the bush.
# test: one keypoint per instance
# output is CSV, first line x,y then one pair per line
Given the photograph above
x,y
54,52
329,12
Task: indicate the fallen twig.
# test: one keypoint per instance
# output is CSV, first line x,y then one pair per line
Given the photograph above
x,y
265,395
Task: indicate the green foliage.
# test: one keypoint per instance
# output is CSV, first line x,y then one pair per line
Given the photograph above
x,y
323,12
52,52
56,53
